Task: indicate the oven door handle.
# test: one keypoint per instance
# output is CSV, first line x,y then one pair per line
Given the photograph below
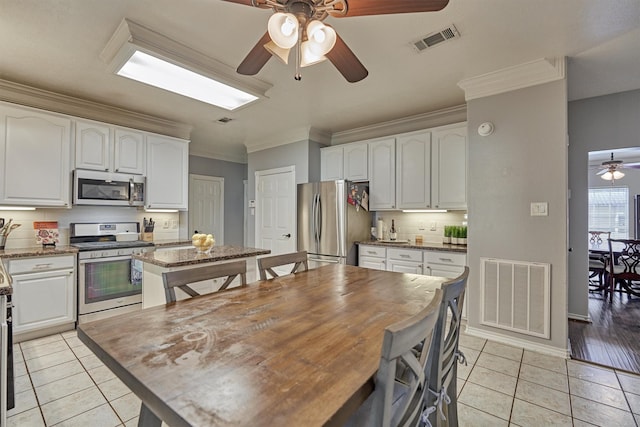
x,y
104,259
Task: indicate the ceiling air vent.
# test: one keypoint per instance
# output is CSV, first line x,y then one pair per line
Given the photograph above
x,y
224,120
435,38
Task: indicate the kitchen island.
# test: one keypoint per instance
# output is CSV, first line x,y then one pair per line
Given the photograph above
x,y
157,262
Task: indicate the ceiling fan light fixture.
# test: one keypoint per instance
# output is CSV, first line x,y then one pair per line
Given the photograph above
x,y
283,29
277,51
321,38
612,175
308,57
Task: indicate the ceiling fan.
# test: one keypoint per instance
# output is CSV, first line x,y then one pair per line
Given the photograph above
x,y
299,24
610,169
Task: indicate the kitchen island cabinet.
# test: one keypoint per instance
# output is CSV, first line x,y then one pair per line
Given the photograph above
x,y
157,262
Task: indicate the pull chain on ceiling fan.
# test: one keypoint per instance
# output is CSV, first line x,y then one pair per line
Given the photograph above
x,y
299,24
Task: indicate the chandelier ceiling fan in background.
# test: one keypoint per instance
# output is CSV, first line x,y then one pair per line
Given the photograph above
x,y
611,169
298,25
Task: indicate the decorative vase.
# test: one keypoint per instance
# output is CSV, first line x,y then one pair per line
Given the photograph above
x,y
462,240
446,239
454,240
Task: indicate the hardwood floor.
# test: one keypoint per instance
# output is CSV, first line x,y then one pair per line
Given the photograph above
x,y
613,337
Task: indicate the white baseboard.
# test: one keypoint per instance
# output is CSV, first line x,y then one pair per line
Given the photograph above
x,y
517,342
579,317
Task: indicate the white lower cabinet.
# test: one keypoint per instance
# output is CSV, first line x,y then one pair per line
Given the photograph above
x,y
373,257
414,261
404,260
44,293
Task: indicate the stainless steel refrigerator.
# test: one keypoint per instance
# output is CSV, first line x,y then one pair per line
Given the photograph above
x,y
331,217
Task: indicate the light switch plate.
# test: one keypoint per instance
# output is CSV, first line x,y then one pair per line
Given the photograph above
x,y
539,209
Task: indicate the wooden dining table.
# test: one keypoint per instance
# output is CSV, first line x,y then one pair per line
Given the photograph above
x,y
297,350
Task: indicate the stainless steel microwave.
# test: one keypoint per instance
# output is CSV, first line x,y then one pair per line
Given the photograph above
x,y
107,189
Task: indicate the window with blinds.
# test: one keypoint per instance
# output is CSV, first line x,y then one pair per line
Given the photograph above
x,y
609,211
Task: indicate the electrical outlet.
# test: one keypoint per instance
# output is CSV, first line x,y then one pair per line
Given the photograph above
x,y
165,224
421,226
433,226
174,223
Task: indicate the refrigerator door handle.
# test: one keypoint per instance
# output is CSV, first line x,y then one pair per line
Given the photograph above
x,y
319,218
329,261
314,221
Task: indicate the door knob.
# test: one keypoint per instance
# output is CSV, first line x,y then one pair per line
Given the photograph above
x,y
288,235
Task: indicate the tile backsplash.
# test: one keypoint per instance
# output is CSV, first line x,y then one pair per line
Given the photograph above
x,y
429,225
167,224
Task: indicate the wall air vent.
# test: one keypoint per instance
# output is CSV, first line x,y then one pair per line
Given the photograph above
x,y
224,120
435,38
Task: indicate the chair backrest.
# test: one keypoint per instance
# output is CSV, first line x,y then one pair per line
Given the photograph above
x,y
182,278
390,407
446,335
598,237
267,264
629,259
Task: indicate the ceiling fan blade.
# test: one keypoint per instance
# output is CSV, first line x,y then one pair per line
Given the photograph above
x,y
635,165
260,4
603,171
387,7
346,62
256,59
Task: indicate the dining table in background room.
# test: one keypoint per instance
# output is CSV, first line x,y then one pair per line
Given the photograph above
x,y
300,349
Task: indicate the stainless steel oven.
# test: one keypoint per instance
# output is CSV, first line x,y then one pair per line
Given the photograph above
x,y
109,280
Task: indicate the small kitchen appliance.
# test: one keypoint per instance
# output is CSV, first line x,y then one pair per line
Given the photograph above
x,y
109,280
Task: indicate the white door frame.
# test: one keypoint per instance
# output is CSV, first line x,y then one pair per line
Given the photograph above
x,y
258,174
219,236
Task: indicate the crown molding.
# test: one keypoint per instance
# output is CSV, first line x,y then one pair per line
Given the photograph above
x,y
21,94
291,136
217,155
432,119
532,73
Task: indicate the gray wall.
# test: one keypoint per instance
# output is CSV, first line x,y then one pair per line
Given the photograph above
x,y
600,123
523,161
233,174
304,155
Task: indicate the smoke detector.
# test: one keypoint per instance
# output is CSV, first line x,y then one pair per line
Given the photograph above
x,y
435,38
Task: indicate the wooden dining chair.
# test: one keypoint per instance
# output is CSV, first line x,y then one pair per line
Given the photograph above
x,y
444,355
267,264
182,278
399,402
598,261
624,270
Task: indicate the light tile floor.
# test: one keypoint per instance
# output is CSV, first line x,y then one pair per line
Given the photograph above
x,y
61,383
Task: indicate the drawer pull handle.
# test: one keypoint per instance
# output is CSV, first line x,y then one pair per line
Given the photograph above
x,y
446,259
371,252
405,256
42,266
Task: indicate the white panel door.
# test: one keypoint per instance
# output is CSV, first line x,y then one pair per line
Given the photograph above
x,y
206,206
276,210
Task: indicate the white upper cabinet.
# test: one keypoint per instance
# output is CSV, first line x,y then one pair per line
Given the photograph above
x,y
167,173
331,163
382,174
93,146
100,146
356,161
348,161
128,154
413,173
35,158
449,168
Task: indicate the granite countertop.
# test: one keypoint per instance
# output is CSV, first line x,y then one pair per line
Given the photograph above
x,y
182,257
169,243
37,251
426,246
